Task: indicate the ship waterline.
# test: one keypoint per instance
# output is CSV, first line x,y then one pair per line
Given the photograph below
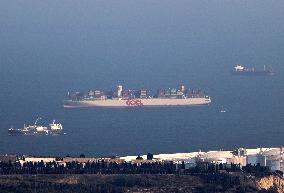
x,y
150,102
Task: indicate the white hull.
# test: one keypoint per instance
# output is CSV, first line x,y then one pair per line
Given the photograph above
x,y
153,102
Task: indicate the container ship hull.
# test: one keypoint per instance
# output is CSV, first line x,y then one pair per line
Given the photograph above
x,y
154,102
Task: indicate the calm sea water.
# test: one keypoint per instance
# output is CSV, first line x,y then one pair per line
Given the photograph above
x,y
44,54
254,118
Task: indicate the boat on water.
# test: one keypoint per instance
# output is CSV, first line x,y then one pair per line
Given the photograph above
x,y
222,110
137,98
242,70
36,129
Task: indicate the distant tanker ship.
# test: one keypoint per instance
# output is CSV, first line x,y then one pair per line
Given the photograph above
x,y
137,98
241,70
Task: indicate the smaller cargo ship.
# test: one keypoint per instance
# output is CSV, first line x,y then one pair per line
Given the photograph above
x,y
242,70
35,129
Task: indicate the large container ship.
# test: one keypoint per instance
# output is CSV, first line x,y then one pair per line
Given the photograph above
x,y
242,70
137,98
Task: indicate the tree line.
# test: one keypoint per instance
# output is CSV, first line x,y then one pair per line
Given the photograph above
x,y
105,167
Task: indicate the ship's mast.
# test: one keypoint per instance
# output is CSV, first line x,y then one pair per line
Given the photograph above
x,y
37,120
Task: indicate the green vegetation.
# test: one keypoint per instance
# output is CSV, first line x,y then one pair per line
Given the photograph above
x,y
111,177
78,183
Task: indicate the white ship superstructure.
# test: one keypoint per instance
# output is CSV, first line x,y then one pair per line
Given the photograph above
x,y
239,68
56,128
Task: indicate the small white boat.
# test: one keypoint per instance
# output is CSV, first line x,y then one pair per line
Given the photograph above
x,y
223,110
